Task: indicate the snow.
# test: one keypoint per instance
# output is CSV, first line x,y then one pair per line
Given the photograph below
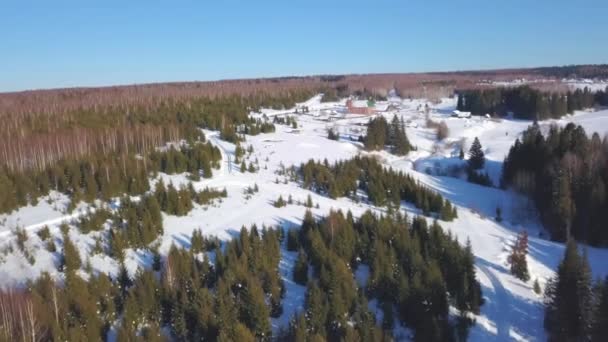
x,y
512,310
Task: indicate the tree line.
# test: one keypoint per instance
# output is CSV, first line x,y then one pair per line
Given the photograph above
x,y
384,187
565,174
528,103
38,138
104,176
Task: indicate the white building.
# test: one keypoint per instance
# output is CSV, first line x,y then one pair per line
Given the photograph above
x,y
460,114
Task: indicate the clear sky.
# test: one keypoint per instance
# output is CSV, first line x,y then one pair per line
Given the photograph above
x,y
54,43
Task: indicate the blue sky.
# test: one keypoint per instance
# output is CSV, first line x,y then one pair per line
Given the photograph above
x,y
50,44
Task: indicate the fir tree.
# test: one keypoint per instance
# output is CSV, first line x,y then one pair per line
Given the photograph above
x,y
309,202
280,202
517,258
536,287
300,269
71,256
568,298
476,155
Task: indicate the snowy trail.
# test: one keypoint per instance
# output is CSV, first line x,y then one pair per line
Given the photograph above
x,y
50,223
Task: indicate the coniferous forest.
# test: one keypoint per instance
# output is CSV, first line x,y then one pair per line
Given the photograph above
x,y
383,187
564,173
104,176
576,305
235,297
250,171
528,103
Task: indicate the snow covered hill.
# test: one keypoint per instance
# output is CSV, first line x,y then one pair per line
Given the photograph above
x,y
512,311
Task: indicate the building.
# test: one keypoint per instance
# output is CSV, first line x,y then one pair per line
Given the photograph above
x,y
459,114
365,107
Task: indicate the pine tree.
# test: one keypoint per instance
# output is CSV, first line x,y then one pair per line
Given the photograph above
x,y
197,243
257,313
568,298
309,202
293,240
280,202
71,256
476,155
397,138
536,287
300,269
517,258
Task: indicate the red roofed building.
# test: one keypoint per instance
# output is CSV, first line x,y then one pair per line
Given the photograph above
x,y
360,107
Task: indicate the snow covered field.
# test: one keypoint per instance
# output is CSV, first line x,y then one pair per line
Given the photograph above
x,y
512,310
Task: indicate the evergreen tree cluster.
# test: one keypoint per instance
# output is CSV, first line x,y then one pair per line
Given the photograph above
x,y
104,176
185,295
380,133
286,120
332,134
526,102
565,173
576,309
383,187
416,272
178,202
256,126
136,224
94,221
197,159
189,298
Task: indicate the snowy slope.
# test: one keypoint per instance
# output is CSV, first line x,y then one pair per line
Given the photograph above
x,y
512,309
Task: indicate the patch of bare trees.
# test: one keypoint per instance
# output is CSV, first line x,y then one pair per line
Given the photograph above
x,y
18,318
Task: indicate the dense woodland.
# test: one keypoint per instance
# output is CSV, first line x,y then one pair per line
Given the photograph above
x,y
36,140
43,126
383,187
234,298
105,143
576,305
528,103
105,175
565,174
416,271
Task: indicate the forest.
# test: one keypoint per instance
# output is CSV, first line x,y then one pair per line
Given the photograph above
x,y
235,296
528,103
576,305
383,187
565,174
105,176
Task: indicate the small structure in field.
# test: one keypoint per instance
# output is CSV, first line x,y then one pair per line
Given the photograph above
x,y
460,114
